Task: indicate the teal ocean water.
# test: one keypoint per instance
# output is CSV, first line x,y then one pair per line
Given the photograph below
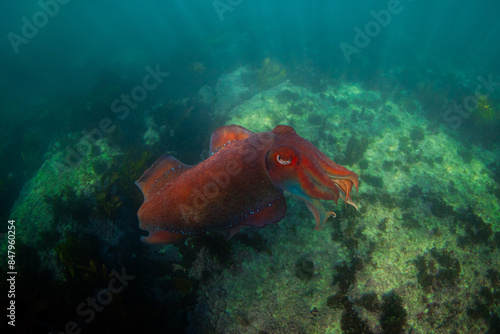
x,y
146,184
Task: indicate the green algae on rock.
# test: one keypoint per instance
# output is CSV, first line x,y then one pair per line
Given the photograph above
x,y
416,274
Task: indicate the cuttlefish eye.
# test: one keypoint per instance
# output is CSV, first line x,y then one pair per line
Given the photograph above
x,y
284,160
286,155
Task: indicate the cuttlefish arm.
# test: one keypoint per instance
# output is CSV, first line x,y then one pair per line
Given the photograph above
x,y
297,166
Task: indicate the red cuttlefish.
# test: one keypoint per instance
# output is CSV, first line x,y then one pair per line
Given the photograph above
x,y
241,183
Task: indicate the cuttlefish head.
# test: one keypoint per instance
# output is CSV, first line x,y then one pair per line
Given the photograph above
x,y
297,166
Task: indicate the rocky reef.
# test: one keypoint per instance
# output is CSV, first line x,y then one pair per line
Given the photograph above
x,y
420,256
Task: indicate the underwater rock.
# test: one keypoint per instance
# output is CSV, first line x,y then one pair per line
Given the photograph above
x,y
151,136
206,95
411,208
287,96
231,90
367,98
36,216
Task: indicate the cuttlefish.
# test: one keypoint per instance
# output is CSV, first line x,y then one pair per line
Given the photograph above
x,y
240,184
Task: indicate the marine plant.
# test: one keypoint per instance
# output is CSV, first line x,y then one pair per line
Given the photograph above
x,y
388,201
487,299
78,260
118,181
352,323
403,145
337,301
270,73
476,230
363,164
304,268
417,135
387,164
136,165
369,301
197,67
439,271
485,111
355,150
345,273
394,315
67,203
316,119
295,109
373,180
426,270
466,155
287,96
108,203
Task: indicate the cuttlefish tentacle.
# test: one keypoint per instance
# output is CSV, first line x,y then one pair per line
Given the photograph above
x,y
319,213
300,168
334,182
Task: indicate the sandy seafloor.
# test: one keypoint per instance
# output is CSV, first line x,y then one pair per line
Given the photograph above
x,y
421,255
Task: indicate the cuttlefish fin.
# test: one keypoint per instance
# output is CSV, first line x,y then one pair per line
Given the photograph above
x,y
269,213
162,237
226,135
319,213
232,231
163,171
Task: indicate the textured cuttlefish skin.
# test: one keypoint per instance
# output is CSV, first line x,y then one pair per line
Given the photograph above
x,y
240,184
